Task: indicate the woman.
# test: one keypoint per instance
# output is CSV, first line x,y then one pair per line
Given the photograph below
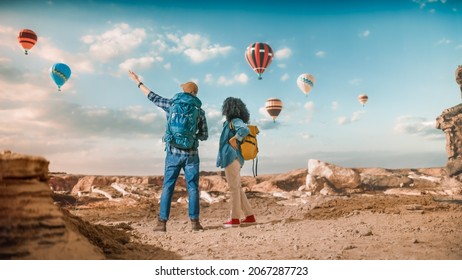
x,y
230,158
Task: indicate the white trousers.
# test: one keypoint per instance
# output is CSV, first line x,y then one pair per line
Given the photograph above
x,y
239,203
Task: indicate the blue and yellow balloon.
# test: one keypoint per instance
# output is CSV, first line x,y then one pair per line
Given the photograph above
x,y
60,73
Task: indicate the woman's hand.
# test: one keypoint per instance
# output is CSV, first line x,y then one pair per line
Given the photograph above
x,y
233,142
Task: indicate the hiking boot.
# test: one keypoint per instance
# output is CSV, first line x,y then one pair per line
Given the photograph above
x,y
249,220
196,225
232,223
161,226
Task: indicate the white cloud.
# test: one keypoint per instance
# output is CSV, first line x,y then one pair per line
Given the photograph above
x,y
208,79
138,63
355,116
355,82
266,123
417,126
201,55
305,136
342,120
45,48
285,77
423,3
223,81
8,37
175,39
365,33
241,78
22,93
334,105
213,114
263,112
308,110
194,41
309,106
444,41
321,54
196,47
118,41
39,116
283,53
160,44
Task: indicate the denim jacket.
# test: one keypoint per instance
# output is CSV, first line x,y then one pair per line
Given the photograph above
x,y
226,153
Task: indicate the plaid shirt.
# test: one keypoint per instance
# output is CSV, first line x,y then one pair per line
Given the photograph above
x,y
202,134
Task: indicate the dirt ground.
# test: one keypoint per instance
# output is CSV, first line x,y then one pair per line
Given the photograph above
x,y
369,226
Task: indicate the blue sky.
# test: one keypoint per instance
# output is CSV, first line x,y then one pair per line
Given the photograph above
x,y
402,54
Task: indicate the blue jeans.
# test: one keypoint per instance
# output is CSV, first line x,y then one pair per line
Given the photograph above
x,y
173,165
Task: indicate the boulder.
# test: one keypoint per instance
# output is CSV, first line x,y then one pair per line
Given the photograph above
x,y
339,177
85,183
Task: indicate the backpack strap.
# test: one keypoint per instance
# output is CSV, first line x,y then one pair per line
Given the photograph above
x,y
255,166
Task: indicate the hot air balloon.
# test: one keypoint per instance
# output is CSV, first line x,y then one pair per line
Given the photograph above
x,y
27,38
259,57
273,107
305,82
60,73
362,98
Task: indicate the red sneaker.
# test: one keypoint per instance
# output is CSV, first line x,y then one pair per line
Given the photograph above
x,y
249,220
232,223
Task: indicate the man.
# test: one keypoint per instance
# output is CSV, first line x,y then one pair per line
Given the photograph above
x,y
178,157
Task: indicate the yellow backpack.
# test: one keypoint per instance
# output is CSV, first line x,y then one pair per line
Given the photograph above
x,y
249,145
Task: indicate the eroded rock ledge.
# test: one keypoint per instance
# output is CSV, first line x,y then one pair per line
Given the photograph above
x,y
19,166
31,225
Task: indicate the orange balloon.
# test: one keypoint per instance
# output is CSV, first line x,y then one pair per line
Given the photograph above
x,y
363,99
27,38
273,107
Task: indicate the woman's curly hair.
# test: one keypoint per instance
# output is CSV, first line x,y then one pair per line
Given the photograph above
x,y
235,108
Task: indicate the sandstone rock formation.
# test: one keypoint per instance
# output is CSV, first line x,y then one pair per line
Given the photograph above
x,y
450,121
31,225
13,165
